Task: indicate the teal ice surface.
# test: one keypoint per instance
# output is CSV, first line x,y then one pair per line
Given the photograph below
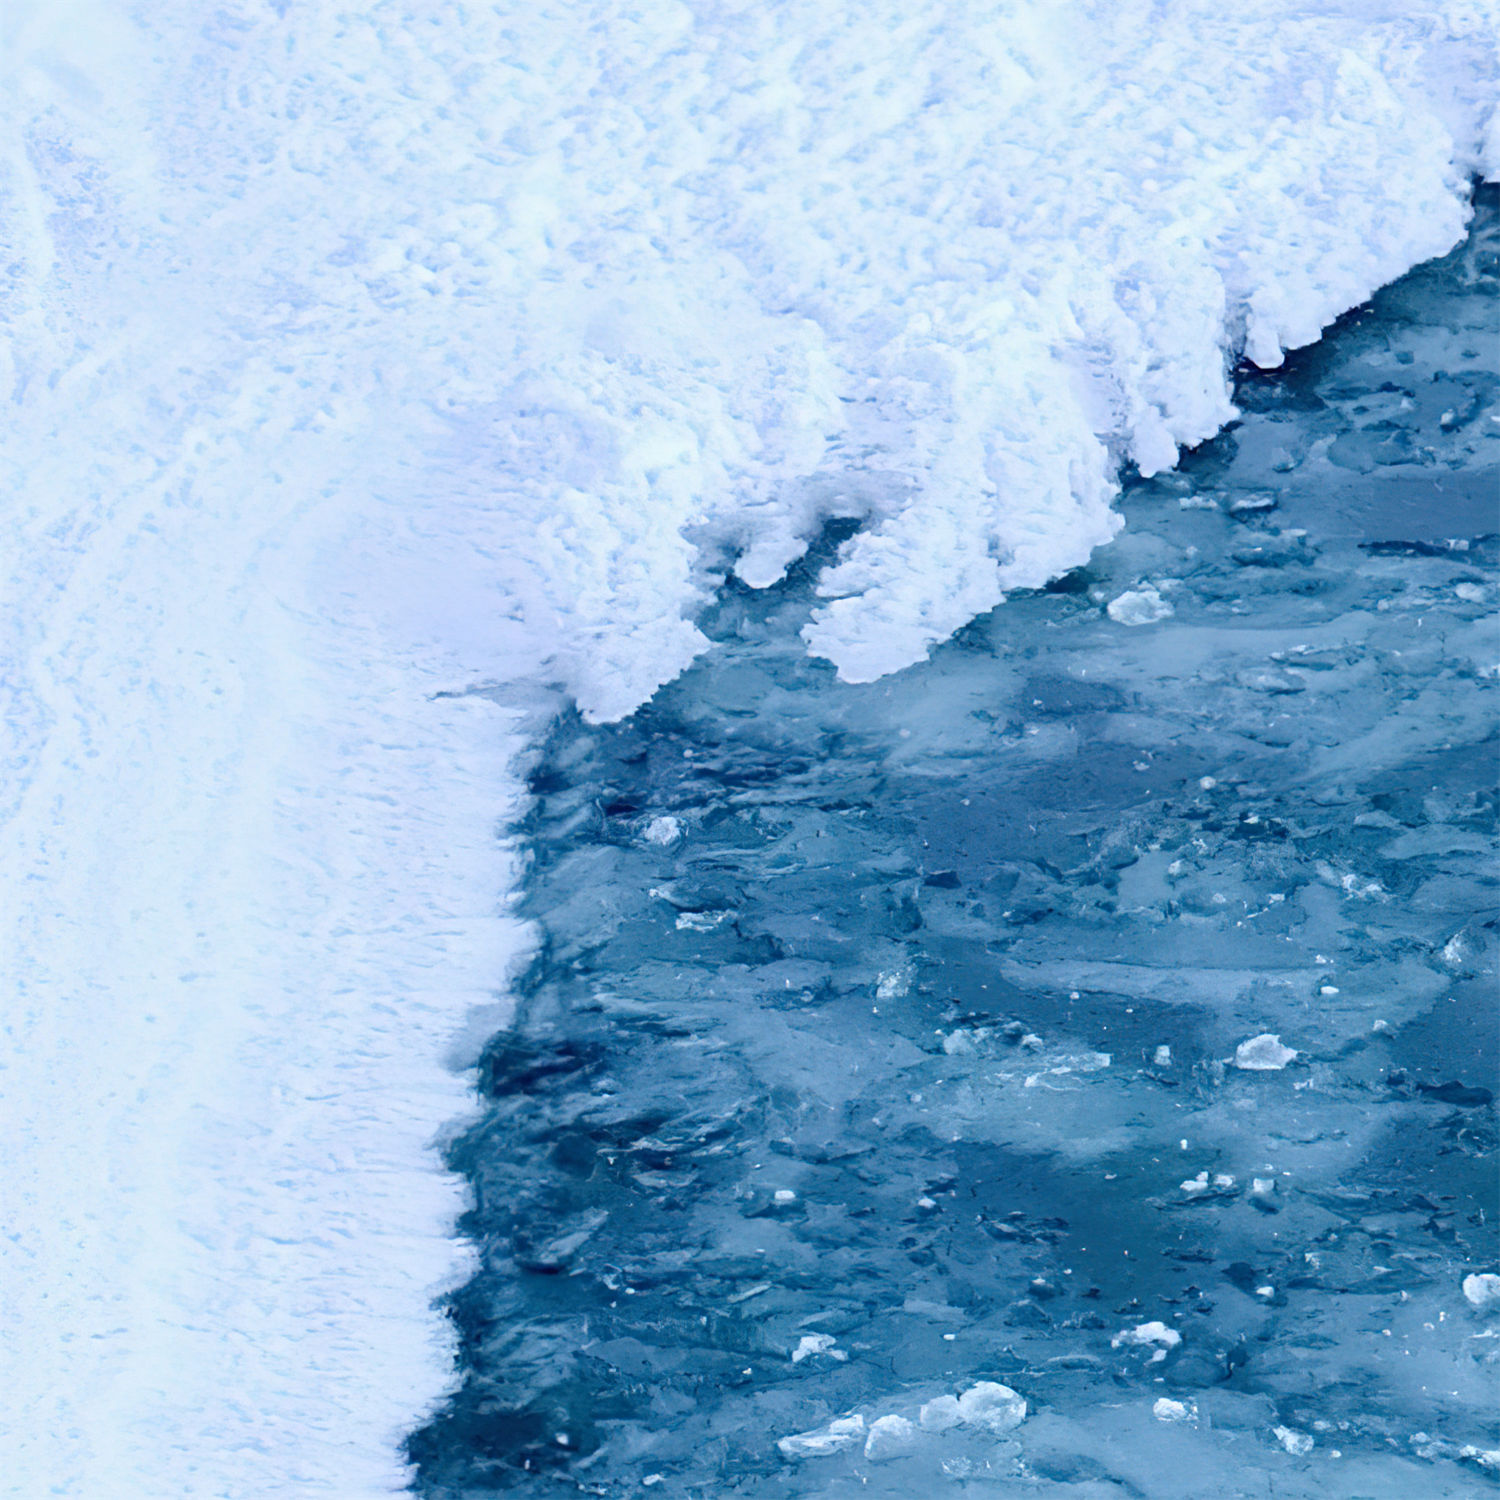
x,y
883,1039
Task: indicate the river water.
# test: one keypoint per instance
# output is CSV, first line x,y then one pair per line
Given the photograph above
x,y
1104,1010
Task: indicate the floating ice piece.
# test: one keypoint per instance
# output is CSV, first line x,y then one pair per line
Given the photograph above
x,y
939,1414
1258,500
1147,1335
1482,1291
1162,1057
1167,1410
663,830
1263,1054
889,1437
822,1442
992,1406
817,1343
1143,606
1486,1458
1298,1444
1198,1184
700,921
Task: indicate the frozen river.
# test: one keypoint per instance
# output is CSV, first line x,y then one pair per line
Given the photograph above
x,y
1104,1010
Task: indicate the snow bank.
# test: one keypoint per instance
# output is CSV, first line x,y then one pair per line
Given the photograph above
x,y
945,267
353,358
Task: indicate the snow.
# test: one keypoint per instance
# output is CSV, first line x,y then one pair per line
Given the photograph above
x,y
358,358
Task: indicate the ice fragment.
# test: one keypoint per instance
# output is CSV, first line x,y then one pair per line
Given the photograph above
x,y
1482,1290
939,1414
889,1436
1146,1334
1143,606
822,1442
817,1343
992,1406
1263,1054
1167,1410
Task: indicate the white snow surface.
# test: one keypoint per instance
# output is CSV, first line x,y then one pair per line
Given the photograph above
x,y
355,356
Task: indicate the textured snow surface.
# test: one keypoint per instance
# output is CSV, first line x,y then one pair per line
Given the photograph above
x,y
353,357
943,266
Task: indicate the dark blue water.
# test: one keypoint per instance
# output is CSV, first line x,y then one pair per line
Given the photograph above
x,y
890,1040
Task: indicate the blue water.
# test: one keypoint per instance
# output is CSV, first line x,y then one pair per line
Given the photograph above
x,y
883,1038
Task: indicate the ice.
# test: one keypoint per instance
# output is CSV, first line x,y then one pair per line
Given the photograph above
x,y
1265,1053
951,894
1165,1409
940,1414
992,1406
664,830
889,1437
1143,606
1151,1335
1482,1291
1298,1444
816,1343
842,1433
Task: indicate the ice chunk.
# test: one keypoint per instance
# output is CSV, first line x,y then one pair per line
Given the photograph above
x,y
1167,1410
939,1414
817,1343
889,1437
700,921
1298,1444
822,1442
1142,606
992,1406
1263,1054
1147,1334
663,830
1482,1290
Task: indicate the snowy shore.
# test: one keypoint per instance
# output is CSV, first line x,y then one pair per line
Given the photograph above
x,y
354,360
